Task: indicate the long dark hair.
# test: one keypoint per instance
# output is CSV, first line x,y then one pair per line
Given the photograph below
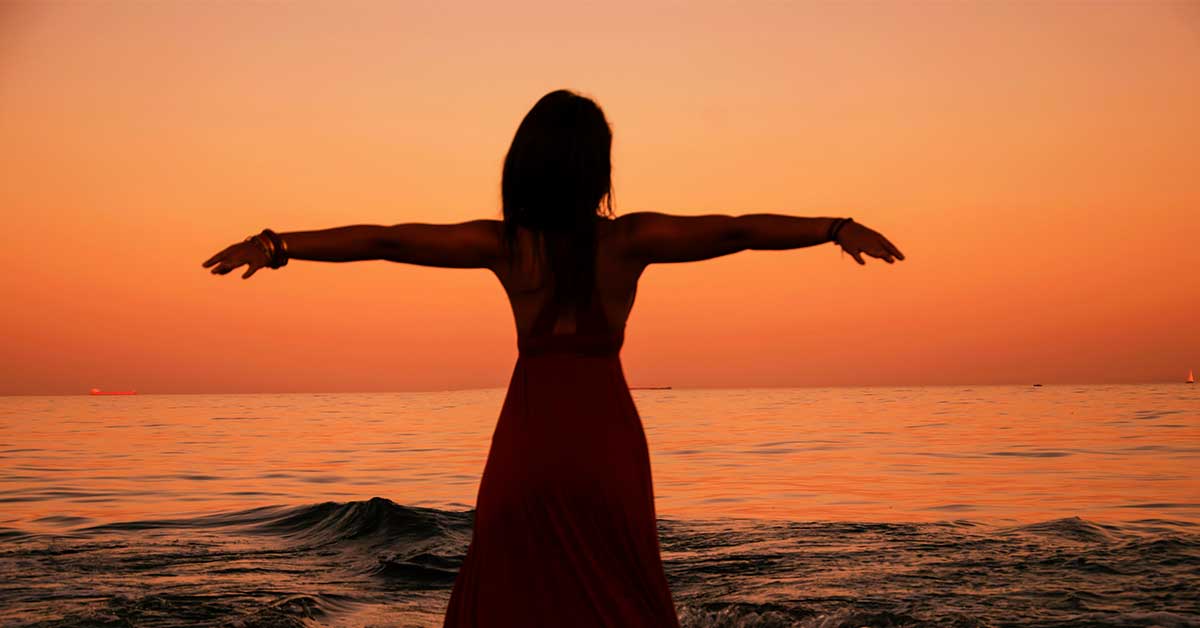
x,y
557,179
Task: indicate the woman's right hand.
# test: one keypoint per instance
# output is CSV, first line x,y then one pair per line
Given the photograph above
x,y
234,255
857,239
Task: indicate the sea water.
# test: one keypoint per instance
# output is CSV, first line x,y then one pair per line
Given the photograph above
x,y
931,506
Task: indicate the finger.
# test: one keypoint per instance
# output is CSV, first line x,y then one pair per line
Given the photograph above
x,y
212,260
892,247
250,270
857,257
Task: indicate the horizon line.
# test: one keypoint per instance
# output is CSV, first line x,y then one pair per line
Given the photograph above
x,y
86,393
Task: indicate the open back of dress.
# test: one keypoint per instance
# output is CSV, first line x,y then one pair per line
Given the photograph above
x,y
565,529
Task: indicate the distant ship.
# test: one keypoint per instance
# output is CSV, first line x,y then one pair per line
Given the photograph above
x,y
97,391
1191,378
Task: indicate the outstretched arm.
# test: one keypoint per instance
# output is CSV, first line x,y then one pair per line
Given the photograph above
x,y
655,238
473,244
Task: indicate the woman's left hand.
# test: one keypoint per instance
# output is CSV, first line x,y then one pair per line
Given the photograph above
x,y
234,255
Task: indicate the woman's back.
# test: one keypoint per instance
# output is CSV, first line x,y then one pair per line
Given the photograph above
x,y
528,283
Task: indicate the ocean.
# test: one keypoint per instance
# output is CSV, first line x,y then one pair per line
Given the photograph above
x,y
817,507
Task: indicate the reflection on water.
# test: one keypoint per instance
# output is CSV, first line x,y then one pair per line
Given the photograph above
x,y
813,507
996,454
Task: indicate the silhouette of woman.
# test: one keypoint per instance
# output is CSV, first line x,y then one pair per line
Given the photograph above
x,y
565,530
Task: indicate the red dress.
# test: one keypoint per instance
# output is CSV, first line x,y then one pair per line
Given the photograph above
x,y
565,531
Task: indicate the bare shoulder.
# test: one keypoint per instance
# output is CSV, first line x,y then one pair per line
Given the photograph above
x,y
631,235
628,228
485,227
485,233
631,222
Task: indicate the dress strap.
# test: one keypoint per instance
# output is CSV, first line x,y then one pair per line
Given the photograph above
x,y
547,316
592,320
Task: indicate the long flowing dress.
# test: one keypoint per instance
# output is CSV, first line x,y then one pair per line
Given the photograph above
x,y
565,531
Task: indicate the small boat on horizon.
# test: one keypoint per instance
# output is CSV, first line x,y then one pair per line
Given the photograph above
x,y
1191,378
97,391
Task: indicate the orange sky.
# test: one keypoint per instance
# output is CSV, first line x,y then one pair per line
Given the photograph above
x,y
1037,163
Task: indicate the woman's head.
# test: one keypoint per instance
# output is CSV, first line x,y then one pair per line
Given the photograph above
x,y
557,179
558,170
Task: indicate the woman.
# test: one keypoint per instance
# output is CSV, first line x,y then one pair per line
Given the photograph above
x,y
564,519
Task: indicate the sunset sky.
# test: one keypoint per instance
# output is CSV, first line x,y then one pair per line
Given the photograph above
x,y
1039,164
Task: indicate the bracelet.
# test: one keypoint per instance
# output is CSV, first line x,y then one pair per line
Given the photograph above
x,y
836,227
279,254
832,225
280,247
264,246
273,246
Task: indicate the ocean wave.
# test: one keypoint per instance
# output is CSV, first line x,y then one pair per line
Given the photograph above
x,y
375,562
376,519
